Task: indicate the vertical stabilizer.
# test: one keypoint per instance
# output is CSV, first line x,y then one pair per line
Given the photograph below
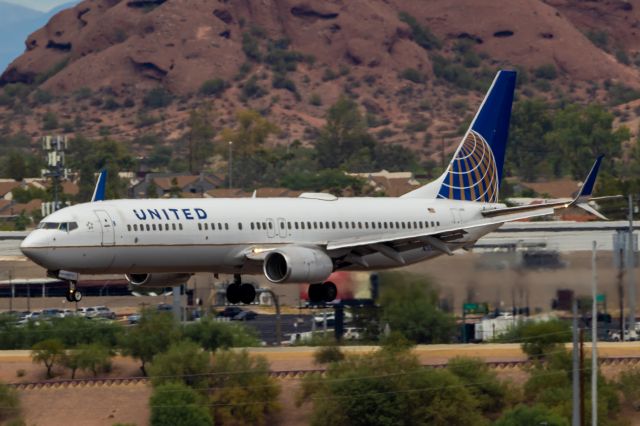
x,y
475,171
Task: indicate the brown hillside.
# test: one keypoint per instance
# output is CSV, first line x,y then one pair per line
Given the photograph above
x,y
124,48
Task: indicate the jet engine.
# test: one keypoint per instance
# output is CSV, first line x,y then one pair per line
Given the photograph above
x,y
297,265
157,280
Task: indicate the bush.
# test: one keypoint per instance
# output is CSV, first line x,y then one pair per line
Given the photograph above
x,y
328,354
280,81
174,404
251,89
157,98
9,403
413,75
82,93
250,47
212,335
213,87
488,390
183,362
111,104
523,415
50,121
453,73
42,97
388,388
243,392
546,72
315,99
421,35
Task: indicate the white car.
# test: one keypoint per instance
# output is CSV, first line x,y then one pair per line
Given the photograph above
x,y
352,333
87,312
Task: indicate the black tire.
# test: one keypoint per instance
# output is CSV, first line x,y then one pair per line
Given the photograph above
x,y
69,297
316,293
233,294
247,293
330,291
77,296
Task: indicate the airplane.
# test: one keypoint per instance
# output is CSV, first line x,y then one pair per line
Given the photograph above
x,y
162,242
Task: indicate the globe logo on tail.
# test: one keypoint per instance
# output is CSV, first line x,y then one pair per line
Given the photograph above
x,y
472,174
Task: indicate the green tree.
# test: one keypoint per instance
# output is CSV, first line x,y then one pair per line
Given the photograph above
x,y
175,191
388,388
199,137
183,362
484,384
48,352
540,338
50,121
583,133
94,357
155,332
15,165
536,415
409,306
242,391
212,335
175,404
152,190
529,154
71,360
344,137
250,134
9,403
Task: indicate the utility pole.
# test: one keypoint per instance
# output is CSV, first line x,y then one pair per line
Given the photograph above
x,y
55,147
631,264
594,339
582,416
575,417
230,164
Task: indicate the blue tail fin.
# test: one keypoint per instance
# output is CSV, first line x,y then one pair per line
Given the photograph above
x,y
101,186
475,171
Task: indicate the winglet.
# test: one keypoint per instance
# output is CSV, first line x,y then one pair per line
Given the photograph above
x,y
101,185
590,181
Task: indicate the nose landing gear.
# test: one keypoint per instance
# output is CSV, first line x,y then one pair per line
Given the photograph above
x,y
240,292
322,292
73,294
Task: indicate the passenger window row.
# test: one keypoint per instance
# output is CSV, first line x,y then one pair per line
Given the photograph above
x,y
155,227
290,225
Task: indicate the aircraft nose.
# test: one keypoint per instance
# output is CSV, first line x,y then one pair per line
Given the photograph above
x,y
34,246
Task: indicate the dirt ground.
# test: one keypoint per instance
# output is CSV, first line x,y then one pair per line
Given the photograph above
x,y
104,405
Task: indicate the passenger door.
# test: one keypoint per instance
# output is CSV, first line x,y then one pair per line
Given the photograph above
x,y
271,231
107,227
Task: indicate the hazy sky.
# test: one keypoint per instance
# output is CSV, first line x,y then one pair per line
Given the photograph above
x,y
43,5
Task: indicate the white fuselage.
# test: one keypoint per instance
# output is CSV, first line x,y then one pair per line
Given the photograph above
x,y
214,235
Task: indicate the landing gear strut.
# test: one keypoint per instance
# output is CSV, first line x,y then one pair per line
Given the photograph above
x,y
322,293
240,292
73,294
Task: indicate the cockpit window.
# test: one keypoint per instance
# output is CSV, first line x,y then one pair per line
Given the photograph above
x,y
64,226
48,225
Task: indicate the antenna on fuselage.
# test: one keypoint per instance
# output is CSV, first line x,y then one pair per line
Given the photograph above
x,y
101,187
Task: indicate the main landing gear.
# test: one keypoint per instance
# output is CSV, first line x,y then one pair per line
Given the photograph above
x,y
322,293
73,294
240,292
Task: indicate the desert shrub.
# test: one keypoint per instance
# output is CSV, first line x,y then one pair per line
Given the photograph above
x,y
546,72
413,75
158,97
213,87
9,403
175,404
421,34
328,354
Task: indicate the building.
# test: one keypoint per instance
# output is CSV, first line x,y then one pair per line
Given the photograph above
x,y
391,184
156,185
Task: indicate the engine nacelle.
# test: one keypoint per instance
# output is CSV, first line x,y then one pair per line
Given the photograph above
x,y
297,265
157,280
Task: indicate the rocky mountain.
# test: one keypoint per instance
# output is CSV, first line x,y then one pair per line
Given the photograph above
x,y
16,23
417,68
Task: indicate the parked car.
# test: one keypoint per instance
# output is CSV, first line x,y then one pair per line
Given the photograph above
x,y
352,333
104,312
89,312
52,313
230,312
68,313
245,316
165,307
134,318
